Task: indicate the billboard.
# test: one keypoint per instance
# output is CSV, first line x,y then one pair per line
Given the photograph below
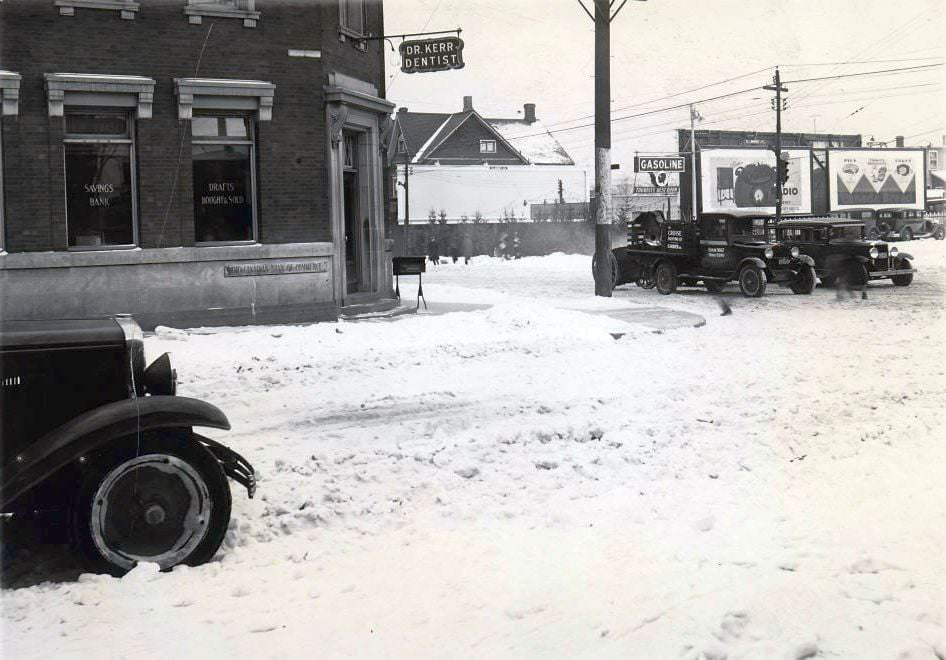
x,y
876,179
741,180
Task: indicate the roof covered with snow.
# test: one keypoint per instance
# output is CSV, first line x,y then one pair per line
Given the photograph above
x,y
422,131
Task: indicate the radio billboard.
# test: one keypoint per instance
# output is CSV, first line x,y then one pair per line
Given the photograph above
x,y
741,180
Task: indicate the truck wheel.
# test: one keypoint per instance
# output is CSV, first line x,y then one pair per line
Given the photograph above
x,y
752,281
804,282
939,233
714,287
168,503
666,278
906,234
903,280
615,268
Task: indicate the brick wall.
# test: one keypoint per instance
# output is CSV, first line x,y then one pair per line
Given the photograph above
x,y
160,43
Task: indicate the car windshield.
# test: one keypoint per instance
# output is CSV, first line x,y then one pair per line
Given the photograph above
x,y
751,228
847,233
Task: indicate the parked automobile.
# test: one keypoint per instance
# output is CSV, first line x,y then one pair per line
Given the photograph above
x,y
716,250
897,224
98,444
841,253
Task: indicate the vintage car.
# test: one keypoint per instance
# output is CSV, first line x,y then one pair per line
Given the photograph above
x,y
842,255
98,445
716,250
897,224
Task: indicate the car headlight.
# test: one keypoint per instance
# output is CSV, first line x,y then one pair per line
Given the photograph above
x,y
874,253
795,252
894,252
769,253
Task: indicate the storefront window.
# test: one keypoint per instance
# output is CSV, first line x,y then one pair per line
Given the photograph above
x,y
224,175
100,180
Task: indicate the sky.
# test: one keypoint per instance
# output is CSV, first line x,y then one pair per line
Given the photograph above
x,y
542,52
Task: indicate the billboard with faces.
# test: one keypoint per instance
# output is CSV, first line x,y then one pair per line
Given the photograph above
x,y
876,179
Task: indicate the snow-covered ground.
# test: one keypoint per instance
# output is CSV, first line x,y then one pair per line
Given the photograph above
x,y
523,481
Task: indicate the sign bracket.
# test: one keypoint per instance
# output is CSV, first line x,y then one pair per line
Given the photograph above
x,y
388,37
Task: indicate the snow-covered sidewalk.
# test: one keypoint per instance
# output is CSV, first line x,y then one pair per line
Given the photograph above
x,y
531,479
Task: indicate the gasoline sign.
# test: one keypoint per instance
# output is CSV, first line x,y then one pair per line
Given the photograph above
x,y
428,55
659,164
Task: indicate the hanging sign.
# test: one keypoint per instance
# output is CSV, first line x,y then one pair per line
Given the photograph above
x,y
429,55
661,184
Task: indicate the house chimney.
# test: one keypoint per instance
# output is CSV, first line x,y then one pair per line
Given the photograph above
x,y
528,111
899,140
467,103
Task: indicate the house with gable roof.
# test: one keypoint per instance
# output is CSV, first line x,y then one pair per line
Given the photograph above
x,y
464,167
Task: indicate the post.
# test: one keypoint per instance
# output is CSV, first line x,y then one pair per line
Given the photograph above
x,y
693,197
602,16
407,207
778,147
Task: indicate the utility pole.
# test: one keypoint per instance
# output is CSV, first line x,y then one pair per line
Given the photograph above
x,y
694,115
779,167
602,147
602,18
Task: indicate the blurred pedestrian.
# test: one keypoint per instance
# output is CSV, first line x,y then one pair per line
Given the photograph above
x,y
467,248
516,253
433,250
454,248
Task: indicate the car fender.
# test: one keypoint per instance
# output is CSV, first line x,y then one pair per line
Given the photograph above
x,y
806,260
904,255
98,427
751,260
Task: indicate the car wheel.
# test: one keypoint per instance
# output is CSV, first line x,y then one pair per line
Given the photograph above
x,y
752,281
940,233
854,276
873,234
666,278
804,282
714,286
828,280
903,280
906,234
168,503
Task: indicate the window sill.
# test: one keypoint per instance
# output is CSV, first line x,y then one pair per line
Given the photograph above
x,y
195,15
357,38
128,8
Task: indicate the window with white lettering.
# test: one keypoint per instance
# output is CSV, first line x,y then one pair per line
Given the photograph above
x,y
352,15
487,146
223,157
100,180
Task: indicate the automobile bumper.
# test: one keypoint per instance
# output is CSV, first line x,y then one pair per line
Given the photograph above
x,y
882,274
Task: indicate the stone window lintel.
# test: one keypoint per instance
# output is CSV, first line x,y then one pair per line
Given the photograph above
x,y
60,84
195,14
187,89
127,8
9,93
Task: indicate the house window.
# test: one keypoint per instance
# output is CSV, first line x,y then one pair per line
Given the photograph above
x,y
100,179
242,9
353,16
933,161
487,146
223,154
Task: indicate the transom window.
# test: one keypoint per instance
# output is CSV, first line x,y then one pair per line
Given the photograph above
x,y
224,156
101,205
487,146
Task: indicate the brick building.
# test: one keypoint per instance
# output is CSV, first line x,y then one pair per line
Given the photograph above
x,y
191,161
